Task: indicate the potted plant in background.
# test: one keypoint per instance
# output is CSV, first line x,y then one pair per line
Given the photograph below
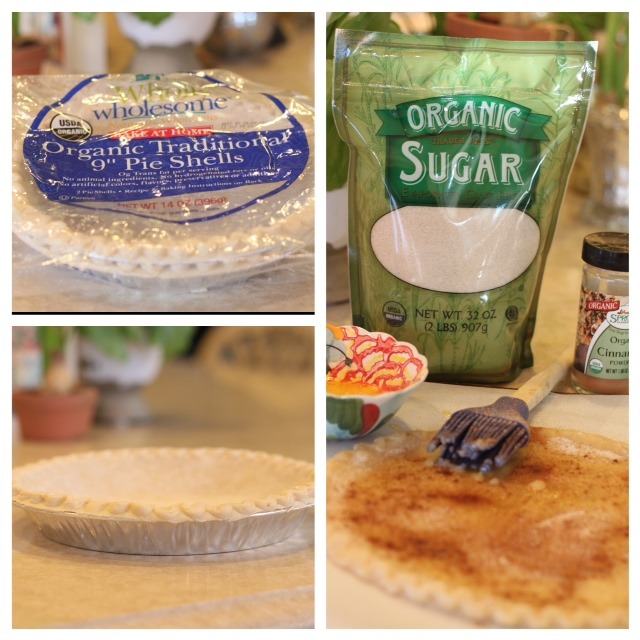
x,y
166,41
520,26
61,408
28,52
607,131
120,362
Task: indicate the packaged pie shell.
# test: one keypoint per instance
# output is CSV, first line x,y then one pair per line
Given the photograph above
x,y
267,208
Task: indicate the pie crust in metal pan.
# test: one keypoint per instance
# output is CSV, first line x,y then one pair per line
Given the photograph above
x,y
166,501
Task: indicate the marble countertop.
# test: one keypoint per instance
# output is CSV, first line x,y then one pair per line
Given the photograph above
x,y
55,586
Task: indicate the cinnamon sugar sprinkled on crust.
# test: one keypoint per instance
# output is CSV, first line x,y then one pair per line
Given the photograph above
x,y
545,545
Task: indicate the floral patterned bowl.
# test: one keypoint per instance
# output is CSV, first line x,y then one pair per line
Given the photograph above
x,y
369,376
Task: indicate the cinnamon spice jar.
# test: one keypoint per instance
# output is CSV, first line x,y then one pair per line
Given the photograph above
x,y
601,363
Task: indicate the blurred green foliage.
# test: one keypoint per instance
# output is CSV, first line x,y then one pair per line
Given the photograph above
x,y
114,341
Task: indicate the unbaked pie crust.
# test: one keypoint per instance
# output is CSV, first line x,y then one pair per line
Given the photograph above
x,y
166,500
545,544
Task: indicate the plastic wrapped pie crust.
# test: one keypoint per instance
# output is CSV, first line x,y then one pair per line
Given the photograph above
x,y
202,176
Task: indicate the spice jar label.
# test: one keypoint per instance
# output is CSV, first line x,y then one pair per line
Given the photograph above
x,y
602,341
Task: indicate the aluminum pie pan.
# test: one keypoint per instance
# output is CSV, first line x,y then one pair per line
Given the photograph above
x,y
69,499
167,538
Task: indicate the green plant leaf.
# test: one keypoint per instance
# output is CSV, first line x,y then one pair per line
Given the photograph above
x,y
613,58
52,341
174,340
110,340
86,16
337,150
114,340
153,18
440,19
15,24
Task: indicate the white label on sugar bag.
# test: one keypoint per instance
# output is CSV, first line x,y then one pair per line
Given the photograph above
x,y
180,148
455,250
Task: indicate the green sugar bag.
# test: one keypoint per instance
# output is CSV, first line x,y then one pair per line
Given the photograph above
x,y
460,152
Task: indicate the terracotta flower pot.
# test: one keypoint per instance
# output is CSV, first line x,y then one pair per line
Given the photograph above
x,y
27,57
46,416
459,25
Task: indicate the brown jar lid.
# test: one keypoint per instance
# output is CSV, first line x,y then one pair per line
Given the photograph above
x,y
607,250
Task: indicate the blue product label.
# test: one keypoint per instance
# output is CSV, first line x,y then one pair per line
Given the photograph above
x,y
165,147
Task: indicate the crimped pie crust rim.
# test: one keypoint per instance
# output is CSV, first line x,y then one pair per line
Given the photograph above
x,y
297,497
342,549
198,257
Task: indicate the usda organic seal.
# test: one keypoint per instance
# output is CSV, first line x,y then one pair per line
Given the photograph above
x,y
70,128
